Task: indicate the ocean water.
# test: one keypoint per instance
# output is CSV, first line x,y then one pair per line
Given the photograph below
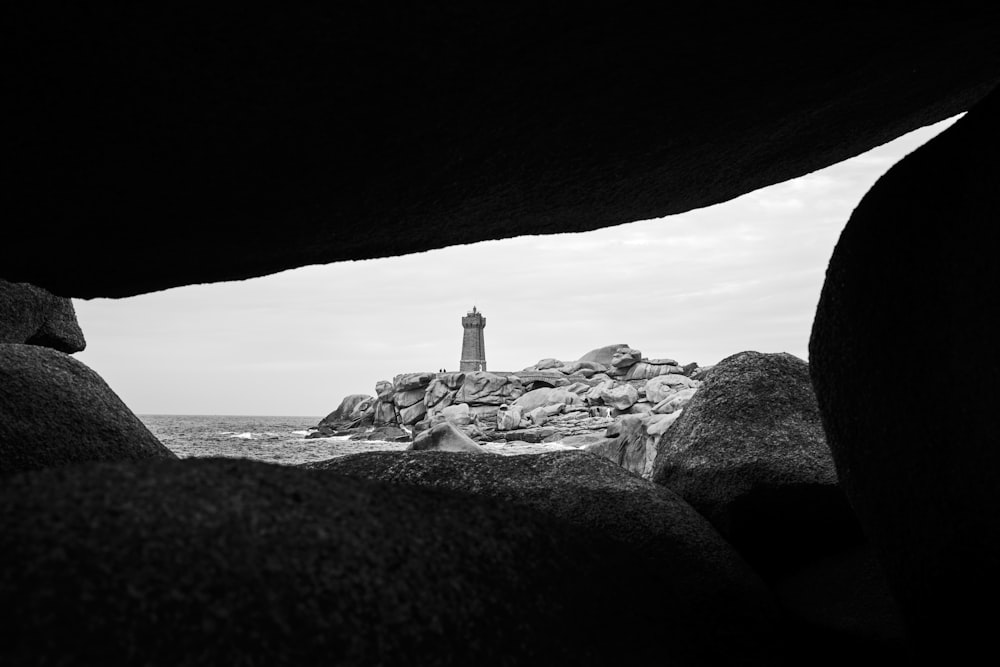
x,y
277,439
272,439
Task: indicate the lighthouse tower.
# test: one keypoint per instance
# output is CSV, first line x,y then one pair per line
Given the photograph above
x,y
473,346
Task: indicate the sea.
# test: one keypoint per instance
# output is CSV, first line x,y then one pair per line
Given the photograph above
x,y
276,439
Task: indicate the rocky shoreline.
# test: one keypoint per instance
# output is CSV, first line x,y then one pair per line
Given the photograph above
x,y
597,403
692,508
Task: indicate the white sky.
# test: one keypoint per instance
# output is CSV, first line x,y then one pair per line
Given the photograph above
x,y
699,286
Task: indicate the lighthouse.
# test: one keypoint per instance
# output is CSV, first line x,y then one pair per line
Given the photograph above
x,y
473,345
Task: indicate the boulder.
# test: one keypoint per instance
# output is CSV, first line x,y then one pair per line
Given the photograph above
x,y
56,411
538,416
510,417
715,600
406,398
445,437
384,391
749,453
411,381
621,396
385,413
675,401
482,388
603,356
33,316
649,368
451,380
458,414
625,357
251,563
923,477
411,414
632,441
351,409
437,392
546,364
662,386
537,398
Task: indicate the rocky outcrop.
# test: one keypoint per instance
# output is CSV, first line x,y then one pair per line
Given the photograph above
x,y
219,156
715,601
922,476
749,453
547,396
256,564
33,316
56,411
633,441
445,437
355,411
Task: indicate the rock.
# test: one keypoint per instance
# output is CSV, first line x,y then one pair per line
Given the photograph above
x,y
537,398
445,437
532,435
256,564
546,364
458,414
648,368
715,600
56,411
923,477
538,416
351,409
632,442
690,369
385,413
33,316
436,392
451,380
384,433
404,399
624,357
663,386
594,395
384,391
675,401
581,441
621,397
411,381
510,417
603,356
749,453
482,388
842,602
411,414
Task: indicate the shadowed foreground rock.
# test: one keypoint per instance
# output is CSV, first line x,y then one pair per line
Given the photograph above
x,y
54,411
923,477
216,561
31,315
354,130
749,453
708,594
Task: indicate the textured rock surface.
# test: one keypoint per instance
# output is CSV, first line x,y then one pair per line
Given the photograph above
x,y
350,409
923,479
445,437
256,564
31,315
482,388
749,453
55,411
367,126
712,599
544,396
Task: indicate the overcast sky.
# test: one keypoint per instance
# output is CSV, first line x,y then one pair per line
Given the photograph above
x,y
700,286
